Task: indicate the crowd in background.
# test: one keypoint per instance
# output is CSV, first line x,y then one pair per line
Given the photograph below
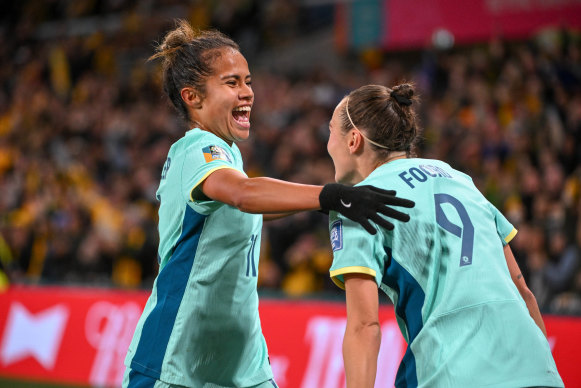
x,y
84,132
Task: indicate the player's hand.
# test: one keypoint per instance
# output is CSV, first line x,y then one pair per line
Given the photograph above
x,y
364,203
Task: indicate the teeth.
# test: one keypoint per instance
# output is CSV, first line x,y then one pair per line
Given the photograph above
x,y
242,108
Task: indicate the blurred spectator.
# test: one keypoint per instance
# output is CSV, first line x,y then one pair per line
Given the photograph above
x,y
568,300
565,260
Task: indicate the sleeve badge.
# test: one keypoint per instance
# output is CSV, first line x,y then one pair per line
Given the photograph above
x,y
337,235
215,152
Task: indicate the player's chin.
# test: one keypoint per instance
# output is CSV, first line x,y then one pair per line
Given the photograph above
x,y
240,130
339,175
346,178
241,134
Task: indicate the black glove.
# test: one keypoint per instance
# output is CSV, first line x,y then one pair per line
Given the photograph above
x,y
364,203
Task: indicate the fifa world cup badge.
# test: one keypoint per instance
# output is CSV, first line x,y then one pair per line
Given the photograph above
x,y
337,235
215,152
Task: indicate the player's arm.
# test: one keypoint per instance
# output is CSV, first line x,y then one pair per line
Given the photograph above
x,y
276,216
271,196
362,333
260,195
523,289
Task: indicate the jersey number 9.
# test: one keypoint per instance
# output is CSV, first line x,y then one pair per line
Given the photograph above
x,y
465,232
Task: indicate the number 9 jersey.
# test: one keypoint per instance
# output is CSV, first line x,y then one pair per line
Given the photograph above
x,y
445,271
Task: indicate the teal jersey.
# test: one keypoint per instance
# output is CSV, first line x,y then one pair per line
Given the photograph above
x,y
200,326
445,271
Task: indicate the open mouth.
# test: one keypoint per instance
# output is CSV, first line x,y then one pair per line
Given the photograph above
x,y
241,115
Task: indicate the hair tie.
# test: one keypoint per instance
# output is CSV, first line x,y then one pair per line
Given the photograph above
x,y
400,99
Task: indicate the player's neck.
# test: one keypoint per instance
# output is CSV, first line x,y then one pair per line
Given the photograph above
x,y
367,166
393,156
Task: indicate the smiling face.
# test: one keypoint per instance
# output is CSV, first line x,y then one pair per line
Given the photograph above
x,y
225,110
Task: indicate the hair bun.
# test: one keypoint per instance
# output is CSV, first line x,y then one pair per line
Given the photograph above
x,y
175,40
401,99
403,94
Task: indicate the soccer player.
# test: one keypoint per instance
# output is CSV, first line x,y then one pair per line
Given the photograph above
x,y
200,327
460,300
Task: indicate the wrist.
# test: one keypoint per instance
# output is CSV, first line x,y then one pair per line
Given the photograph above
x,y
328,195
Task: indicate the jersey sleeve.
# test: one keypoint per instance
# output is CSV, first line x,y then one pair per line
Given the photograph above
x,y
203,157
506,231
354,250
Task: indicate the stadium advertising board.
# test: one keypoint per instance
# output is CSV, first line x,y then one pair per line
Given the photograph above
x,y
395,24
80,336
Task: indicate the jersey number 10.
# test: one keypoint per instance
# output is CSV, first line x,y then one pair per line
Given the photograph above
x,y
466,232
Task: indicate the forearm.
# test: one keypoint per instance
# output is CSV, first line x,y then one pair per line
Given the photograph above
x,y
276,216
523,289
260,195
268,196
533,308
360,351
272,196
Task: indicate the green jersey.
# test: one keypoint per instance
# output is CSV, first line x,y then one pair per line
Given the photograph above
x,y
445,271
200,326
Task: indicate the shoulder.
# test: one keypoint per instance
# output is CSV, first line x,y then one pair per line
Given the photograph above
x,y
207,145
196,136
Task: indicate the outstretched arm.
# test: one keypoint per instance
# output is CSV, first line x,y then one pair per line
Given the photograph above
x,y
260,195
270,196
276,216
362,333
523,289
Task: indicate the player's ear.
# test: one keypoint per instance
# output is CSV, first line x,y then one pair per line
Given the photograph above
x,y
354,141
191,97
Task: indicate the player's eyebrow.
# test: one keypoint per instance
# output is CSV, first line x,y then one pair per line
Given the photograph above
x,y
235,76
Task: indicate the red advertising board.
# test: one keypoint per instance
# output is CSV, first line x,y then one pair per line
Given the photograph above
x,y
69,335
305,340
401,24
412,25
80,336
